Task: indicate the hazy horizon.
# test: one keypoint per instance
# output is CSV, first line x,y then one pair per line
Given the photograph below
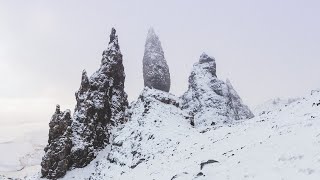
x,y
265,48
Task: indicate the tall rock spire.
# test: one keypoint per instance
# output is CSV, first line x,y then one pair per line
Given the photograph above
x,y
101,104
155,69
209,100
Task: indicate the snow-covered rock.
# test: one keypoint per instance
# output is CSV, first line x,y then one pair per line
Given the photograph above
x,y
156,128
161,136
101,104
152,115
210,100
159,143
155,69
57,159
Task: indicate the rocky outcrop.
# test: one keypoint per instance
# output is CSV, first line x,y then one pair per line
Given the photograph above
x,y
57,159
210,100
155,69
101,105
165,98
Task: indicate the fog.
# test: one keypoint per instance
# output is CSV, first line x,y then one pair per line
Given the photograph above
x,y
267,49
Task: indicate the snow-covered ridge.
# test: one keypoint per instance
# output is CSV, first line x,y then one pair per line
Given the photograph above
x,y
159,143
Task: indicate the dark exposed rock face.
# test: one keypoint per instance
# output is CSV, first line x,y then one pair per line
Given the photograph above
x,y
57,160
155,69
211,100
101,104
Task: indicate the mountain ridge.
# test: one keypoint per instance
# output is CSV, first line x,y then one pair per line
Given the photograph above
x,y
207,133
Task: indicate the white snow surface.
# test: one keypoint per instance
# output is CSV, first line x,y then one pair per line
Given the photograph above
x,y
159,143
21,152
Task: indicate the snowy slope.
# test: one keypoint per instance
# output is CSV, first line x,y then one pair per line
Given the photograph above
x,y
274,105
160,143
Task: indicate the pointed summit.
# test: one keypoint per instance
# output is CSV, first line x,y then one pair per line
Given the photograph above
x,y
114,41
155,69
209,100
151,32
207,64
101,104
205,58
113,35
113,49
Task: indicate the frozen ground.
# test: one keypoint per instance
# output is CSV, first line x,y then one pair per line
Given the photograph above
x,y
281,143
23,149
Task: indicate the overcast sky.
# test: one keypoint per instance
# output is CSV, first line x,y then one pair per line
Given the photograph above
x,y
266,48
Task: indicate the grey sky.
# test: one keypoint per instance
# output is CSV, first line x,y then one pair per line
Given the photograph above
x,y
266,48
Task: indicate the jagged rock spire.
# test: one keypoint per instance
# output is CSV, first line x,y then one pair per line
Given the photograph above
x,y
57,159
155,69
208,99
113,47
101,104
